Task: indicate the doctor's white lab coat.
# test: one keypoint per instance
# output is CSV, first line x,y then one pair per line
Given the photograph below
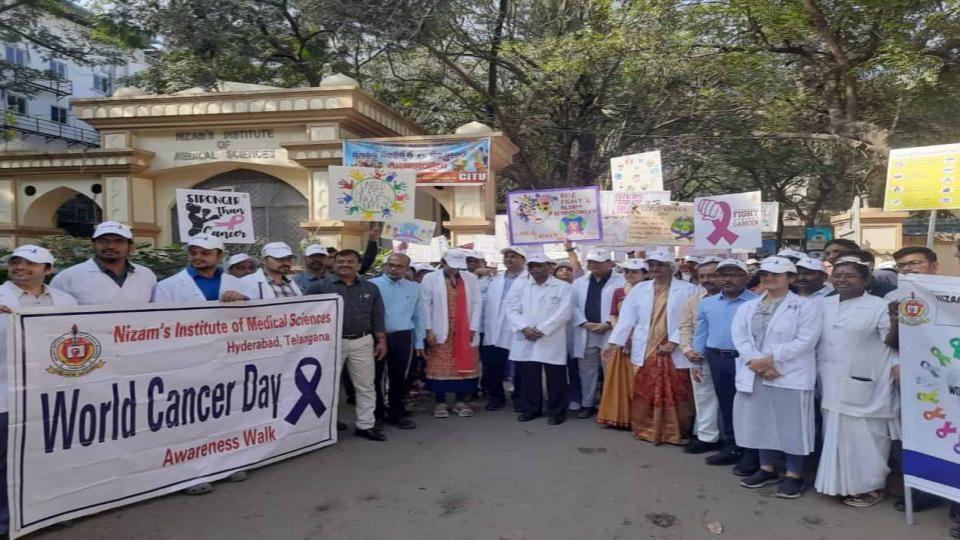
x,y
579,302
90,286
181,288
545,307
433,293
636,314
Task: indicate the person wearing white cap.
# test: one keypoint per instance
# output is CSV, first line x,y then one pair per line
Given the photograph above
x,y
792,255
496,332
706,429
618,373
687,269
271,280
315,262
27,267
662,407
712,341
857,388
241,265
202,280
452,305
108,277
592,299
776,337
812,278
538,309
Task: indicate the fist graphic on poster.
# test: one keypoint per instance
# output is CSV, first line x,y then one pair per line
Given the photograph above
x,y
710,210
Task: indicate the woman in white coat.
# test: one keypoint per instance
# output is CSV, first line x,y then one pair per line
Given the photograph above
x,y
202,280
858,393
662,407
773,411
538,309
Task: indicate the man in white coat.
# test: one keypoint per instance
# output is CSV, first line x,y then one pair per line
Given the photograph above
x,y
202,280
538,309
108,277
592,298
27,266
271,280
496,332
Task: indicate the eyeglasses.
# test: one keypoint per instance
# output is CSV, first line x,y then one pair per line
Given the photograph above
x,y
910,264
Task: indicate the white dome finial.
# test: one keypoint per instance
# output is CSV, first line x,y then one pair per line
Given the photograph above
x,y
338,79
473,128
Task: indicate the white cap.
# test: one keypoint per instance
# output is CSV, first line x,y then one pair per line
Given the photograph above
x,y
691,258
850,259
423,267
456,258
635,264
887,265
732,263
315,249
752,262
598,255
112,227
777,265
709,260
205,241
811,264
32,253
516,249
474,254
661,255
791,253
277,250
239,258
563,262
538,258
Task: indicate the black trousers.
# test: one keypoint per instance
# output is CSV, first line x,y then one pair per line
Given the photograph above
x,y
494,372
723,369
531,393
396,364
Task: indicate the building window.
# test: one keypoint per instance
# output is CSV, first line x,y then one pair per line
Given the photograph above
x,y
101,83
16,56
58,70
16,104
58,114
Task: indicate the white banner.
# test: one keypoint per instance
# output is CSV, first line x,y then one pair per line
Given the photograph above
x,y
113,406
930,383
770,216
224,214
637,172
727,221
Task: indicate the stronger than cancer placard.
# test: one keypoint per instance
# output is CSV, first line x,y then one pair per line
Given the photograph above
x,y
112,406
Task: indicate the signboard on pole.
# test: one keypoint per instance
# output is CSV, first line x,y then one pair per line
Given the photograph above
x,y
929,318
770,216
923,178
661,224
728,221
817,237
434,163
418,231
111,406
368,194
637,172
224,214
621,203
550,216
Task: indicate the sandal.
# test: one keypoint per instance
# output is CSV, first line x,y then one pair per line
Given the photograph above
x,y
865,500
199,489
441,411
462,410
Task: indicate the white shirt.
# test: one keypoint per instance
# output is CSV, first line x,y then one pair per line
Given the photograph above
x,y
10,297
182,288
855,368
545,307
636,314
91,286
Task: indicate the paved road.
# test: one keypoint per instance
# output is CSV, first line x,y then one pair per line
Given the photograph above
x,y
492,478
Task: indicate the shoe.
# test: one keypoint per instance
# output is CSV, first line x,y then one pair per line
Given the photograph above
x,y
586,412
748,465
955,512
370,434
401,423
341,426
493,405
696,446
557,420
574,406
725,457
524,417
238,476
921,501
199,489
790,488
760,479
864,501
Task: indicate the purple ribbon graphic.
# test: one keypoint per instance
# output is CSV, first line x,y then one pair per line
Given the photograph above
x,y
308,392
234,220
721,222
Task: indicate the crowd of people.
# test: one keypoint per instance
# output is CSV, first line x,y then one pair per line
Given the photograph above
x,y
790,361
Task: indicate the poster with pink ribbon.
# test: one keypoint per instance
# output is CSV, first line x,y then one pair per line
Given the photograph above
x,y
224,214
728,221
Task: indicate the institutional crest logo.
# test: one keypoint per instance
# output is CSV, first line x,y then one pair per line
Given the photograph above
x,y
74,354
913,311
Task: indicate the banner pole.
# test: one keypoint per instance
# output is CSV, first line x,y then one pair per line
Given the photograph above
x,y
931,228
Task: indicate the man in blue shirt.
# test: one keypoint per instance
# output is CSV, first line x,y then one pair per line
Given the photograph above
x,y
712,339
403,318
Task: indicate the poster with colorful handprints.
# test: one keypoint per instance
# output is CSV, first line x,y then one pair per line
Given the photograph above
x,y
418,231
661,224
637,172
727,221
549,216
367,194
929,318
